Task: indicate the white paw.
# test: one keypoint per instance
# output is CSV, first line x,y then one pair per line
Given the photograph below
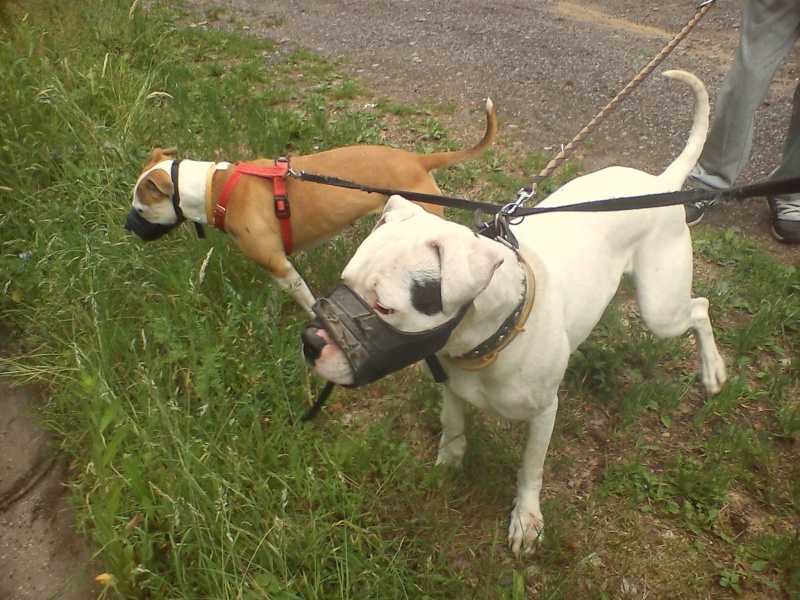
x,y
524,530
452,452
714,376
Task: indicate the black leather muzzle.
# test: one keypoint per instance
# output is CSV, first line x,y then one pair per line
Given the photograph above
x,y
138,225
372,347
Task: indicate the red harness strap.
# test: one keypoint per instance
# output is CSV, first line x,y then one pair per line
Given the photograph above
x,y
278,175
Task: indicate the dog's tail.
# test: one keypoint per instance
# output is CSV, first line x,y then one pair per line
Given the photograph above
x,y
443,159
676,173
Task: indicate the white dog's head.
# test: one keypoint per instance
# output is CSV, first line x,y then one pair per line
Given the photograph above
x,y
415,272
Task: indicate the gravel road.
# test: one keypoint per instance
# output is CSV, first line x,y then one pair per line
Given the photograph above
x,y
549,65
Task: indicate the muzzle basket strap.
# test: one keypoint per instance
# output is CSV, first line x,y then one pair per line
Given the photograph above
x,y
437,370
317,406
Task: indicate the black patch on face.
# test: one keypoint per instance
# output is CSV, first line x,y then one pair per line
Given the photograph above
x,y
426,296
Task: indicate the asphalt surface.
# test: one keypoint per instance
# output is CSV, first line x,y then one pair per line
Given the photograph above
x,y
549,66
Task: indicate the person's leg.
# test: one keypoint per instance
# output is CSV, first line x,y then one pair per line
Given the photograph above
x,y
769,30
785,210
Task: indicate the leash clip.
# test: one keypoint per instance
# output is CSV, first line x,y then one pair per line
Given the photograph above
x,y
499,229
524,195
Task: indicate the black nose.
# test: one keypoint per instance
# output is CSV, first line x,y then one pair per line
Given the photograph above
x,y
312,344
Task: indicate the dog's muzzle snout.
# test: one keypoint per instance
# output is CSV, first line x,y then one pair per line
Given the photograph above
x,y
138,225
372,347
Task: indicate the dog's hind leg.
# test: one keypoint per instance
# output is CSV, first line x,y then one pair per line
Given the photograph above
x,y
712,366
690,314
663,277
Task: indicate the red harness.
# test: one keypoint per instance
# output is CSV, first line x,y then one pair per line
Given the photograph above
x,y
278,175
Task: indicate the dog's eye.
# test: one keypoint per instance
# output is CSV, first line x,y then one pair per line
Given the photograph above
x,y
380,308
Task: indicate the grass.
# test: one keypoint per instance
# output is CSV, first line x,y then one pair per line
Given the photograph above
x,y
175,386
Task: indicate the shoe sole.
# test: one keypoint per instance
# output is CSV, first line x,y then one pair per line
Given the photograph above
x,y
696,221
780,238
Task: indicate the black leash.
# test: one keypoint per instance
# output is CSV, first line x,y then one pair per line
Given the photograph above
x,y
776,187
437,371
415,196
499,227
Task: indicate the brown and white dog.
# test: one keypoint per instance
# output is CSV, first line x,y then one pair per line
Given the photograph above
x,y
536,305
318,212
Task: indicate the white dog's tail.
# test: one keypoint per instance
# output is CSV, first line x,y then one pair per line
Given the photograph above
x,y
675,174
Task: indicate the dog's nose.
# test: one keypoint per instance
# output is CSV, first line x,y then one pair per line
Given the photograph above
x,y
313,344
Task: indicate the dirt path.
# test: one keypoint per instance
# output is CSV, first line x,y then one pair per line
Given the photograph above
x,y
41,556
40,553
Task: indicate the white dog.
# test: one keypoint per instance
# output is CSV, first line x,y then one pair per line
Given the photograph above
x,y
417,272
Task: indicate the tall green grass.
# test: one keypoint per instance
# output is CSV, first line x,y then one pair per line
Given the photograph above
x,y
173,369
175,383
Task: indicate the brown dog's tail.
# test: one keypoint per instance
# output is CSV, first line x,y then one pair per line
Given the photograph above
x,y
443,159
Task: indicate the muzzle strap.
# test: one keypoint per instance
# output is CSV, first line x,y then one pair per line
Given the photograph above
x,y
436,368
317,406
176,199
176,196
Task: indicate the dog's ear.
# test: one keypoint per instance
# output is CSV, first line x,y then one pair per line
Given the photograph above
x,y
397,209
160,154
468,262
157,184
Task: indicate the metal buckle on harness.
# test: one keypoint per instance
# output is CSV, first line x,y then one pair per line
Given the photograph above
x,y
282,210
282,207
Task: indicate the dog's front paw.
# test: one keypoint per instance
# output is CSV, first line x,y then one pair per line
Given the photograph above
x,y
713,375
451,452
524,530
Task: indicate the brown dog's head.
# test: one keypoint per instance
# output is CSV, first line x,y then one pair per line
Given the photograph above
x,y
155,211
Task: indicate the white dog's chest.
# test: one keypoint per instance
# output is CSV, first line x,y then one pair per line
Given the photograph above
x,y
517,396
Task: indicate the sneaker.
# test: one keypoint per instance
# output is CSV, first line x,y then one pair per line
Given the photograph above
x,y
785,220
696,210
